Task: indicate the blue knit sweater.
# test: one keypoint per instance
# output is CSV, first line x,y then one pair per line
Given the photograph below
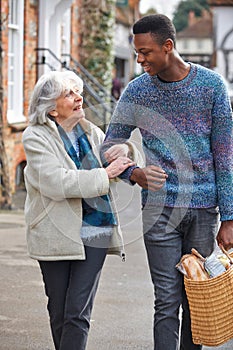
x,y
187,129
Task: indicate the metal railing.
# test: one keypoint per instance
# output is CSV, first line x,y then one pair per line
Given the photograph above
x,y
98,102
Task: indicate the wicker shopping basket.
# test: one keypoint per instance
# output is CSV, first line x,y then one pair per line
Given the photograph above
x,y
211,308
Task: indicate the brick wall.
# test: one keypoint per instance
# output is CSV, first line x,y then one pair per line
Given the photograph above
x,y
75,30
30,43
13,133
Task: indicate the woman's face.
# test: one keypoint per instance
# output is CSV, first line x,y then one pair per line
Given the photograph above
x,y
69,105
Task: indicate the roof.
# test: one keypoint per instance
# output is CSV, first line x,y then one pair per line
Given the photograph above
x,y
220,2
202,28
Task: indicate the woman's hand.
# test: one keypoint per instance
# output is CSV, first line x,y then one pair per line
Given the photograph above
x,y
116,151
117,166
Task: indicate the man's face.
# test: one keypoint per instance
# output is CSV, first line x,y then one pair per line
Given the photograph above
x,y
150,55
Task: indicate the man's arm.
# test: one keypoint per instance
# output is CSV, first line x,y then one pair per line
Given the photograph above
x,y
222,147
150,177
116,134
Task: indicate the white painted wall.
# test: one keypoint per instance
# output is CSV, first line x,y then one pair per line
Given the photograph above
x,y
192,45
223,23
54,14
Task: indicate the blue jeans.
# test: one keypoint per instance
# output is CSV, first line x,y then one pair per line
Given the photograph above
x,y
169,233
71,287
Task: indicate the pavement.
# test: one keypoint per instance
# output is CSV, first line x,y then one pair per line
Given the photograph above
x,y
123,310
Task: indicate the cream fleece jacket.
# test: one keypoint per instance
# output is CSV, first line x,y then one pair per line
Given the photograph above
x,y
55,188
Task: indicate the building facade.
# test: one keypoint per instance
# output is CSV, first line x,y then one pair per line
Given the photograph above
x,y
196,43
37,36
223,36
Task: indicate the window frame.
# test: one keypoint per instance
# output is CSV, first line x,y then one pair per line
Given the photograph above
x,y
15,62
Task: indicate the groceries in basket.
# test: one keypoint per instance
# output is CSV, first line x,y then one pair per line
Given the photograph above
x,y
194,266
211,301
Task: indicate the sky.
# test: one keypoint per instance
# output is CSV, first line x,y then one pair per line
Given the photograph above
x,y
165,7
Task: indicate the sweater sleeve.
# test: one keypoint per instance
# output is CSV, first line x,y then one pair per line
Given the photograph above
x,y
50,171
222,147
120,130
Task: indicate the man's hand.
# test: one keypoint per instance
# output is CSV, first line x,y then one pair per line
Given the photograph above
x,y
151,177
225,234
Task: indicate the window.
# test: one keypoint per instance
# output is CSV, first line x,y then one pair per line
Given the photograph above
x,y
65,32
15,61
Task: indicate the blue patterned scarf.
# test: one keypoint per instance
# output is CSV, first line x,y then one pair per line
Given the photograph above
x,y
97,211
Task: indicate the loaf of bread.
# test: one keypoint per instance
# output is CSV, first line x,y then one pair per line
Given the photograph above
x,y
194,267
198,268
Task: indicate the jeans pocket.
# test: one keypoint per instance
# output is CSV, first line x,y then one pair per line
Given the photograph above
x,y
213,210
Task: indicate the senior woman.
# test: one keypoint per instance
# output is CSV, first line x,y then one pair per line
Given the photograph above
x,y
71,224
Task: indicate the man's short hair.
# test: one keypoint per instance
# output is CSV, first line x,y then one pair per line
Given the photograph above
x,y
160,27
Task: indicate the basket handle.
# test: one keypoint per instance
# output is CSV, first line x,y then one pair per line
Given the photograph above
x,y
195,252
226,253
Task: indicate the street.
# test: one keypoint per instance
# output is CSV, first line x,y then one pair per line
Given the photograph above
x,y
123,310
122,316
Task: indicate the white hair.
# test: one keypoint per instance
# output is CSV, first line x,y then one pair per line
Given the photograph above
x,y
48,88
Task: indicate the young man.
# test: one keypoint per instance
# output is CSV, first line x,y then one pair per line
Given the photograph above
x,y
184,115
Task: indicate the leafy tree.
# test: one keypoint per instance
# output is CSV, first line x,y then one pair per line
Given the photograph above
x,y
181,13
150,11
97,19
